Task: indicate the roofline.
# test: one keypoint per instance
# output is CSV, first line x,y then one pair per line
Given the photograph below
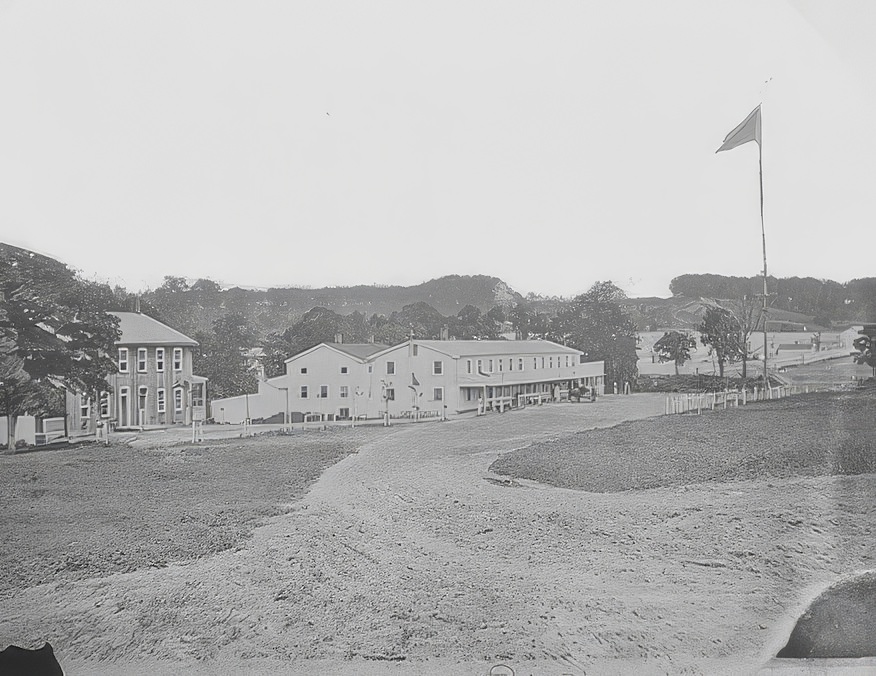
x,y
456,355
330,347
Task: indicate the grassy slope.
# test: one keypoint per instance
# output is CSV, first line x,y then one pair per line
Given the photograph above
x,y
95,510
805,435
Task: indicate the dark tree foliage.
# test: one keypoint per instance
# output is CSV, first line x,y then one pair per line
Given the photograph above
x,y
722,334
221,356
865,346
470,324
596,324
54,332
675,346
823,299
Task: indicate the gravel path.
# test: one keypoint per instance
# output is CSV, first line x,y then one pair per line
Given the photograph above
x,y
409,557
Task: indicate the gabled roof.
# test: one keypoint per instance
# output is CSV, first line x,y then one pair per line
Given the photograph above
x,y
360,351
140,329
477,348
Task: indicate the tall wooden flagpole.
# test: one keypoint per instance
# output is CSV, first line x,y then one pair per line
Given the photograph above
x,y
763,239
750,130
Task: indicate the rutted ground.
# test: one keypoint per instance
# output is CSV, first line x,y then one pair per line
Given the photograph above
x,y
407,558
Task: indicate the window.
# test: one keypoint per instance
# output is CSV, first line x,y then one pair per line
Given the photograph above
x,y
197,394
567,360
343,369
323,391
390,394
345,392
500,364
415,350
438,393
468,365
535,362
178,399
85,410
542,362
177,359
160,398
304,391
304,370
491,365
480,366
551,362
344,413
141,360
510,363
370,368
437,368
123,360
159,359
104,405
520,364
390,368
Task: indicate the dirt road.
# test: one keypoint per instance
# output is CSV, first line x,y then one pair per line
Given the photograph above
x,y
409,558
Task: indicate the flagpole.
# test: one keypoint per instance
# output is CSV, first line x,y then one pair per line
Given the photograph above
x,y
763,239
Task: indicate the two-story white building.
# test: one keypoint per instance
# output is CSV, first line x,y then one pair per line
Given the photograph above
x,y
417,378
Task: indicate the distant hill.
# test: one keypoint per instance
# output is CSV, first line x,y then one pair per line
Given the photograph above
x,y
683,313
193,308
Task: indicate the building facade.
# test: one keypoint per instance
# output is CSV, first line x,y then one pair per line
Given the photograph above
x,y
154,384
417,378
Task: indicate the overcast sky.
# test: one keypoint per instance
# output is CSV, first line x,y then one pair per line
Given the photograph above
x,y
551,144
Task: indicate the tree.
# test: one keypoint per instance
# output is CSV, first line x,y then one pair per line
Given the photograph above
x,y
747,311
675,346
221,357
722,334
596,324
55,332
865,345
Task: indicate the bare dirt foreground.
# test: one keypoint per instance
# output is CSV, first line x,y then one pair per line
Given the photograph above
x,y
410,557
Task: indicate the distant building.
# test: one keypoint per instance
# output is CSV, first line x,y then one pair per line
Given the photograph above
x,y
154,384
416,378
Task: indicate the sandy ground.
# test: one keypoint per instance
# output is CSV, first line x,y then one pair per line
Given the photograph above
x,y
410,558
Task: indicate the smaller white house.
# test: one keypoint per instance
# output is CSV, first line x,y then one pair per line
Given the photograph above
x,y
416,378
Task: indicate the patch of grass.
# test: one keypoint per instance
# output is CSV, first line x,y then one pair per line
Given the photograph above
x,y
94,510
804,435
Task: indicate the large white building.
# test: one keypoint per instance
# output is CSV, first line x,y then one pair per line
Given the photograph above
x,y
417,378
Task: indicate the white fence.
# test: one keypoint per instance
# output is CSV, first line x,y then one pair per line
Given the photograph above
x,y
709,401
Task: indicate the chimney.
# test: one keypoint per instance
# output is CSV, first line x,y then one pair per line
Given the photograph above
x,y
339,337
137,305
445,333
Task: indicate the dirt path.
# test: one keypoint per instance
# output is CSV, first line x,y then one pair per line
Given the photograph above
x,y
407,558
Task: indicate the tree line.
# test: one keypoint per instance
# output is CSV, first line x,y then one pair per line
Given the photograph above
x,y
823,299
593,322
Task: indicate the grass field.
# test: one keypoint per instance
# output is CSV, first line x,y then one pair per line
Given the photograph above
x,y
97,510
804,435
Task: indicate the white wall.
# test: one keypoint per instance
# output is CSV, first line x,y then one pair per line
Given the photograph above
x,y
25,430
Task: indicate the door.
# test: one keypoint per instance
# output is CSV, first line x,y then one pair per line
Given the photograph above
x,y
124,406
141,406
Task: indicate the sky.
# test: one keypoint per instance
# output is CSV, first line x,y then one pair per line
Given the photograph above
x,y
327,143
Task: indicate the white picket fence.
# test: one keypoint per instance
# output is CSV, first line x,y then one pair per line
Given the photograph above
x,y
709,401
